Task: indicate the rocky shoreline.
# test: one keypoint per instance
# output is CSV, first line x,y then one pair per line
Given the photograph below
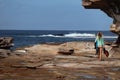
x,y
45,62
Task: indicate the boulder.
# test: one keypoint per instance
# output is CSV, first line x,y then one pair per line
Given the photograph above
x,y
6,42
66,51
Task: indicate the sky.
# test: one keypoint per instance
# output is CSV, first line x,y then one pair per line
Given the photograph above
x,y
50,15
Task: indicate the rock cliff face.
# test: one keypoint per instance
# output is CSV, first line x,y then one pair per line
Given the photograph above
x,y
111,8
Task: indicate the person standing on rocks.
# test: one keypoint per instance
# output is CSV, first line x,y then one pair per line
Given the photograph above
x,y
100,44
96,46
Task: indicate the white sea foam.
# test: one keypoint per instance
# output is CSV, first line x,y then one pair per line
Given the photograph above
x,y
79,35
109,36
49,35
72,35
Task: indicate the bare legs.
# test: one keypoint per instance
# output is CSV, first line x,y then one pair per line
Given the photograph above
x,y
100,53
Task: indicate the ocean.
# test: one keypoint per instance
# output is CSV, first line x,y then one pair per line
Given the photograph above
x,y
31,37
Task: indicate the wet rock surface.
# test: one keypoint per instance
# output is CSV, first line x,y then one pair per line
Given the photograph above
x,y
46,64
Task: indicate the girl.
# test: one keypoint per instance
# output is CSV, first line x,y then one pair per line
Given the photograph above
x,y
100,44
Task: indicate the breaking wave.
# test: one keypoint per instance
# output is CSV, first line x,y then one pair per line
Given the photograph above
x,y
71,35
79,35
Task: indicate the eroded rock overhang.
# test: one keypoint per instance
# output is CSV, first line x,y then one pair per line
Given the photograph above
x,y
110,7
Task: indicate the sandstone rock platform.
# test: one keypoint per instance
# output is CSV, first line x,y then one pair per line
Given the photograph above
x,y
43,62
